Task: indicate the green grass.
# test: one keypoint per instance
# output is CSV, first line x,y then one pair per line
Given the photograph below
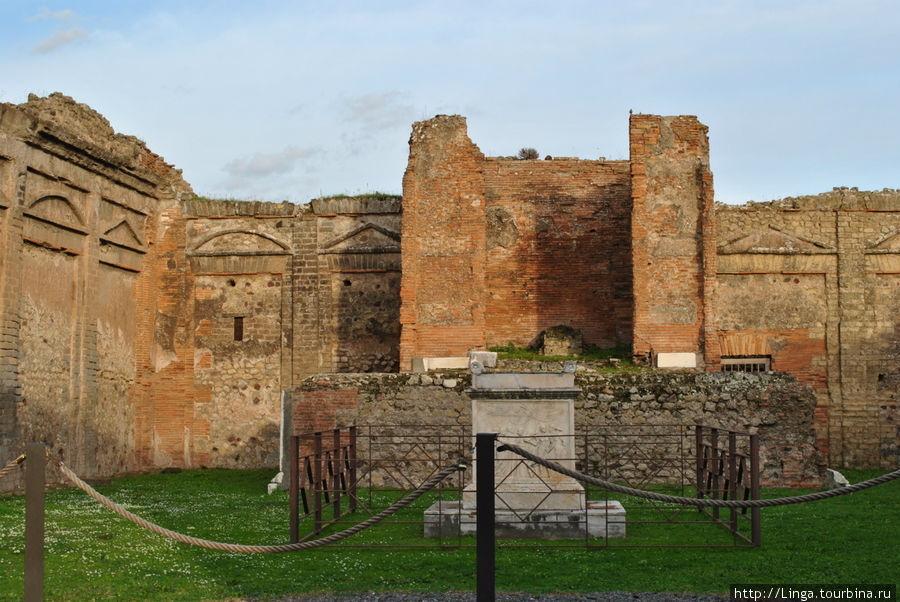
x,y
366,195
93,554
591,354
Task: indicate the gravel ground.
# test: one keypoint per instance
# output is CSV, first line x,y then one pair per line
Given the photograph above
x,y
501,597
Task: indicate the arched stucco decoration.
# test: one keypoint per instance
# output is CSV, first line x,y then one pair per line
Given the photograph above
x,y
58,201
282,248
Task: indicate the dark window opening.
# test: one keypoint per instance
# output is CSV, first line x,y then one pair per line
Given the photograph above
x,y
746,363
238,328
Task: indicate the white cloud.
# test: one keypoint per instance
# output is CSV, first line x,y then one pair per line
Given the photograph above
x,y
268,164
46,13
380,111
60,38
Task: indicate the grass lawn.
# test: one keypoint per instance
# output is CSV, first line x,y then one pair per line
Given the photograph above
x,y
93,554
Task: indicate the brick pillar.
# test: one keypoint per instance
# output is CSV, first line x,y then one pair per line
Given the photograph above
x,y
673,237
12,177
307,321
442,294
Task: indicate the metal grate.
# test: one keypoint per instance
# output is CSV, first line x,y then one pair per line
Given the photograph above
x,y
747,363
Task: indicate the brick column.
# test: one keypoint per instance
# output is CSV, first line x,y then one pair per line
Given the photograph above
x,y
674,272
442,294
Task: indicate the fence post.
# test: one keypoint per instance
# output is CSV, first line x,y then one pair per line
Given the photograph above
x,y
699,449
484,521
295,488
352,491
317,479
36,459
336,471
715,467
755,526
732,479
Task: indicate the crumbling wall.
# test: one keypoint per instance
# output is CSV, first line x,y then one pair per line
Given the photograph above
x,y
358,259
812,282
79,210
673,237
775,405
256,295
558,249
443,251
496,250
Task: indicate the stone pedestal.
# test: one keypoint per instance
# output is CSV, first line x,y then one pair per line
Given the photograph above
x,y
598,519
536,411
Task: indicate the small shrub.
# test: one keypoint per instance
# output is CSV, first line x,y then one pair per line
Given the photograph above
x,y
527,153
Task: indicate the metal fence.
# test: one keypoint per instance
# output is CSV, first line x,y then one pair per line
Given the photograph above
x,y
350,473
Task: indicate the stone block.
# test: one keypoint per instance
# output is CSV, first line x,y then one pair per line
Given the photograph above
x,y
488,359
428,364
676,360
601,519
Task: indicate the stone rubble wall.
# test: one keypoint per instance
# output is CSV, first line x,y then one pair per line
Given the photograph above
x,y
775,405
814,283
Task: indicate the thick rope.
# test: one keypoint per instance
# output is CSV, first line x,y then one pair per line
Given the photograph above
x,y
11,466
692,501
293,547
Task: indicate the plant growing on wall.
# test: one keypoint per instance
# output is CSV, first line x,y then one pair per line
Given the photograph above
x,y
527,153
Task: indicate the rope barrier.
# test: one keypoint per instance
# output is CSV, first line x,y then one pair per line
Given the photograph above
x,y
13,464
692,501
270,549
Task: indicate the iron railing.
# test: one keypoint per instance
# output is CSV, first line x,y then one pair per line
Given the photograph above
x,y
357,470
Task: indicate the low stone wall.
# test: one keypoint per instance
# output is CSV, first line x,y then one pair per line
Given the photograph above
x,y
775,405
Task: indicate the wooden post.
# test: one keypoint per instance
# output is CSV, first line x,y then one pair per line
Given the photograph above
x,y
699,450
317,481
715,468
295,488
353,469
756,528
336,471
732,479
36,461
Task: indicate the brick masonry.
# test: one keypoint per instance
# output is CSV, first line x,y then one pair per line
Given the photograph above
x,y
673,234
496,250
144,327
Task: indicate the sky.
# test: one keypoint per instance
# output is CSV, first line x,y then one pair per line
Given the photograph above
x,y
277,101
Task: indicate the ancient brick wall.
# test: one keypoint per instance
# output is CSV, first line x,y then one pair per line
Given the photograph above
x,y
558,249
813,283
442,291
143,327
358,259
673,237
80,206
775,405
277,292
496,250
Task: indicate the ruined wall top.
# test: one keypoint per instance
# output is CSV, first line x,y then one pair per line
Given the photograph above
x,y
75,132
839,199
437,126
